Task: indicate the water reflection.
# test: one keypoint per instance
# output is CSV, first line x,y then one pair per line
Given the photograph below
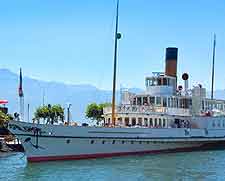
x,y
180,166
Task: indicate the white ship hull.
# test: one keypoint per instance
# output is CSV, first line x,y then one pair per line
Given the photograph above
x,y
53,142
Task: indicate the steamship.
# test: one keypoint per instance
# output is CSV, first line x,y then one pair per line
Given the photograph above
x,y
164,118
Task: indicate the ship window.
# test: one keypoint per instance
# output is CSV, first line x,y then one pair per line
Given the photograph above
x,y
152,100
218,124
120,120
103,142
154,82
145,101
150,82
126,121
139,101
140,121
113,142
133,121
159,81
67,141
160,122
146,83
158,100
108,120
151,123
134,101
155,121
92,141
164,123
173,102
146,121
123,142
164,81
169,102
164,102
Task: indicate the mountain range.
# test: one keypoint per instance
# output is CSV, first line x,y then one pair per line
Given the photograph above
x,y
56,93
53,92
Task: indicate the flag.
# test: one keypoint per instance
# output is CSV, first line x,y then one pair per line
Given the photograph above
x,y
21,84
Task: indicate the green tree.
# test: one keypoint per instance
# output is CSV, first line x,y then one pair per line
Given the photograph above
x,y
4,118
95,111
49,114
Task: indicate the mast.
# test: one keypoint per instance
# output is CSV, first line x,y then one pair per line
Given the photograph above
x,y
213,66
117,36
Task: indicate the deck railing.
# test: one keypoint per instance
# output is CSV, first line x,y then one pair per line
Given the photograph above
x,y
147,110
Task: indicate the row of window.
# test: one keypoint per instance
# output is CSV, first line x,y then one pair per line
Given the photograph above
x,y
156,122
123,142
172,102
158,81
136,142
207,105
218,123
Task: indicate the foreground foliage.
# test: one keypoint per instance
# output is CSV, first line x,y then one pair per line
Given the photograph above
x,y
49,113
95,111
4,118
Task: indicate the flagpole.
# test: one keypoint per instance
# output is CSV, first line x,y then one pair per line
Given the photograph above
x,y
21,96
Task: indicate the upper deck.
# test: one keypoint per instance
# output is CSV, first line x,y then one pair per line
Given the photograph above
x,y
162,96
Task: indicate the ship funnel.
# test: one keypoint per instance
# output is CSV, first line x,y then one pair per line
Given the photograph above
x,y
171,61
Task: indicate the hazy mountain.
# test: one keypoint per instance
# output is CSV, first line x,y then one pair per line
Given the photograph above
x,y
56,93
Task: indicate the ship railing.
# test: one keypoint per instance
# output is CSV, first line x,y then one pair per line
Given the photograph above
x,y
147,110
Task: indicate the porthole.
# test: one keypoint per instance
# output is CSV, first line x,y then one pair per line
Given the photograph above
x,y
218,124
67,141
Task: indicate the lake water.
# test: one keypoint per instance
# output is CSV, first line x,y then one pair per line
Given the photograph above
x,y
208,165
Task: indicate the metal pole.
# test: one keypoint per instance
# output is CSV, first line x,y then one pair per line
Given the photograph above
x,y
117,36
213,68
43,97
28,113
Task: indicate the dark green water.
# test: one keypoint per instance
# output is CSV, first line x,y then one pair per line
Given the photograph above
x,y
178,166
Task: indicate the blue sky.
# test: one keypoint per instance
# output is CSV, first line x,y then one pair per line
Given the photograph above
x,y
72,41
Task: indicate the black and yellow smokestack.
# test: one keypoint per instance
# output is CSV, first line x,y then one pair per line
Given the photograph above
x,y
171,61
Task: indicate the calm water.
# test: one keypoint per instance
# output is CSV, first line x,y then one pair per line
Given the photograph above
x,y
179,166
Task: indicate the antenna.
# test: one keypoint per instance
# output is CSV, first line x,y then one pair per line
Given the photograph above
x,y
117,36
213,66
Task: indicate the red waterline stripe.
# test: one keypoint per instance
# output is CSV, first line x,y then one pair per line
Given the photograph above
x,y
104,155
